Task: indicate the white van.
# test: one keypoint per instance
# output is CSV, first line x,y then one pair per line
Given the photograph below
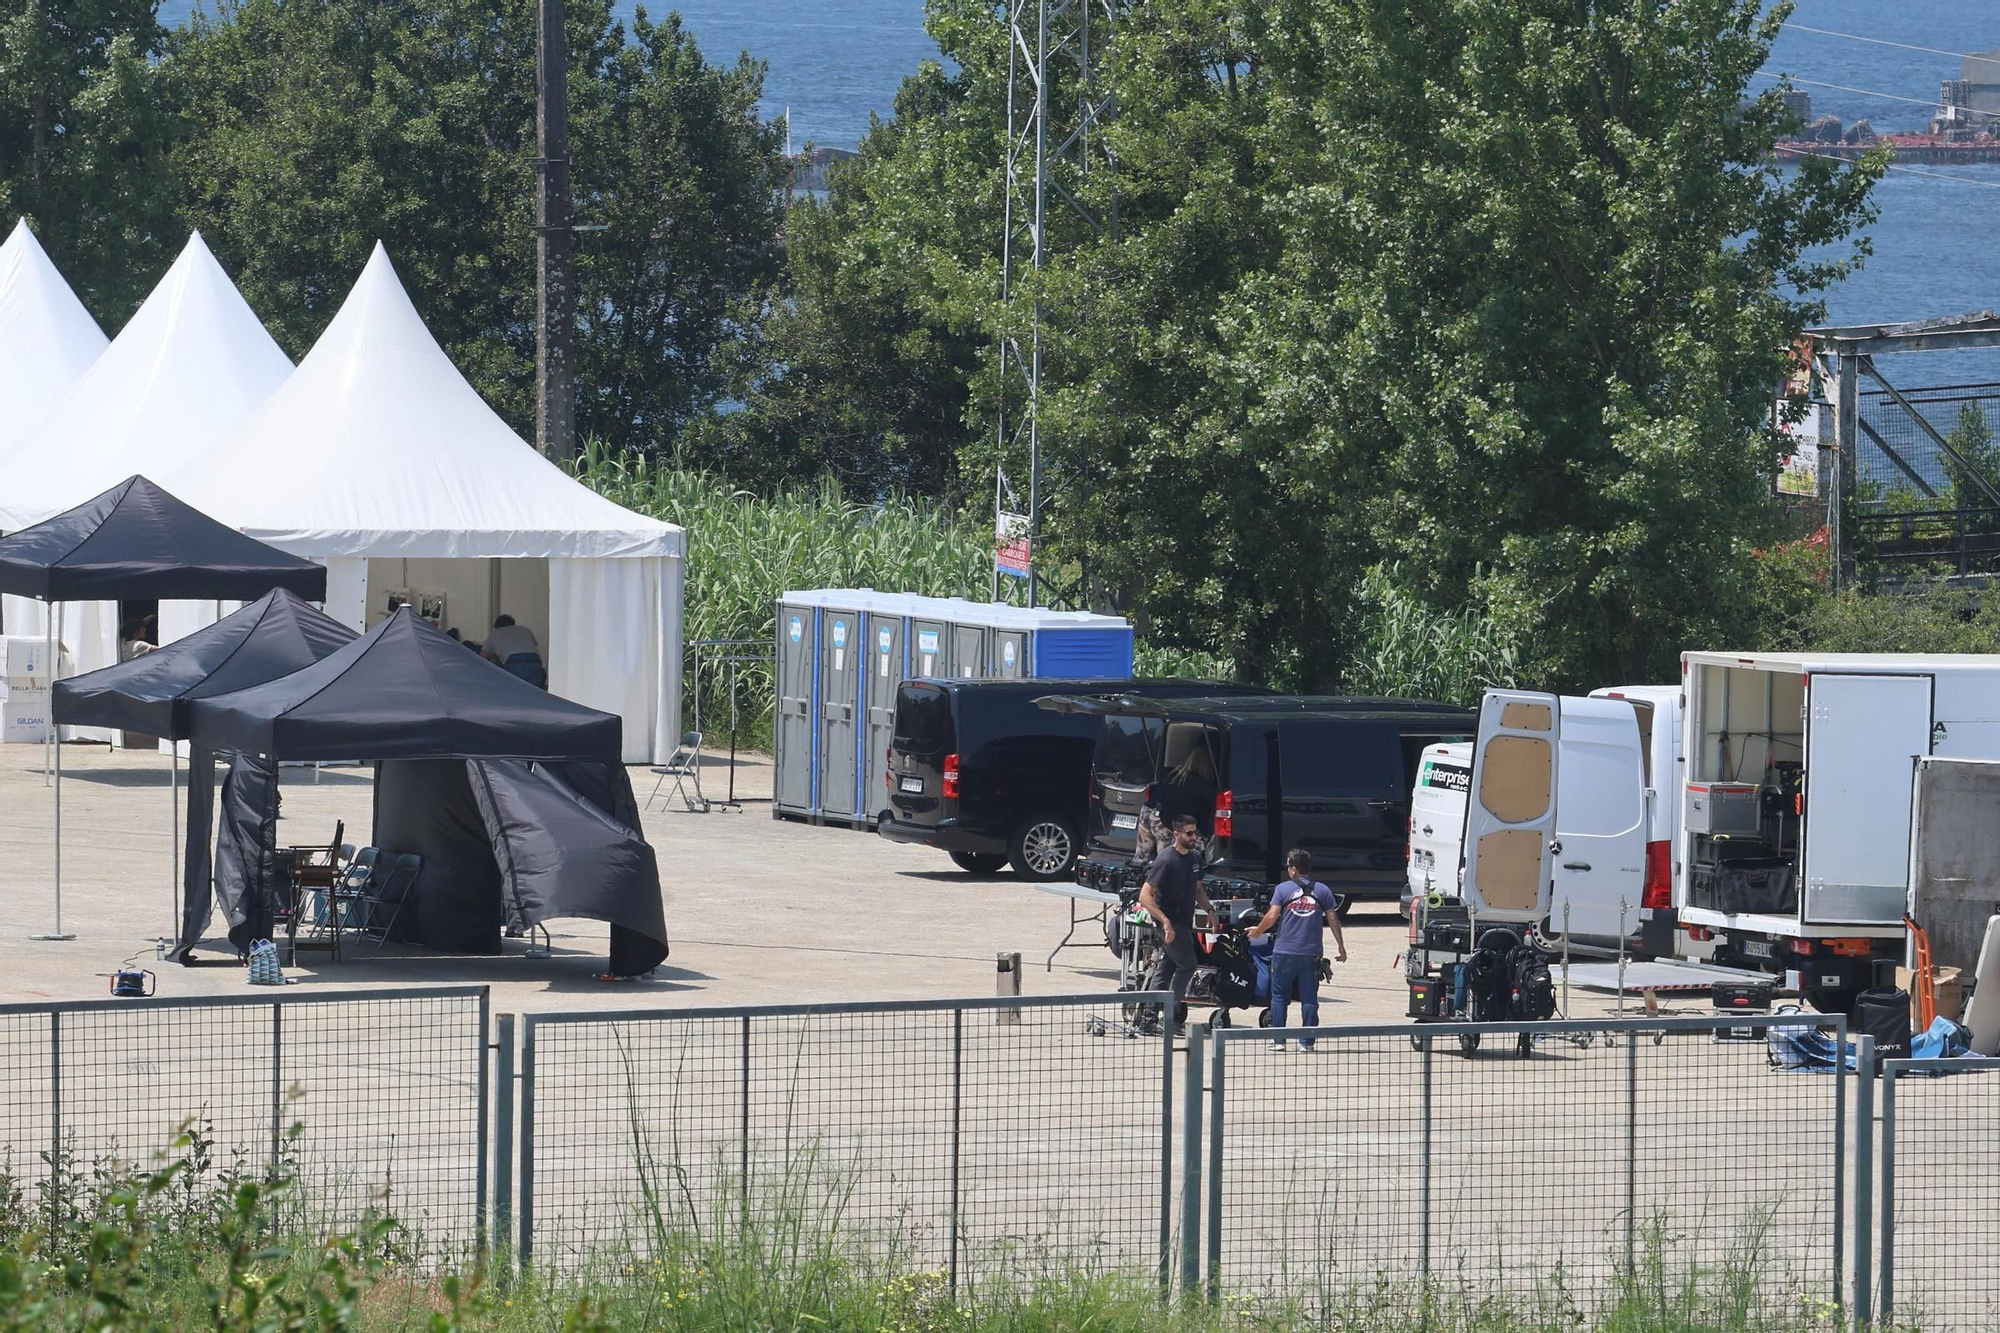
x,y
1611,768
1437,820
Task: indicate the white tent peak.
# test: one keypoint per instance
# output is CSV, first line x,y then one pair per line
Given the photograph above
x,y
378,446
47,339
193,363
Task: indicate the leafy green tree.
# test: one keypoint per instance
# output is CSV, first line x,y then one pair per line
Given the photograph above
x,y
317,129
86,124
1972,437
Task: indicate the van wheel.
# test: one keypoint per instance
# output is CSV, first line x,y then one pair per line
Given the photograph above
x,y
1043,847
978,863
1342,905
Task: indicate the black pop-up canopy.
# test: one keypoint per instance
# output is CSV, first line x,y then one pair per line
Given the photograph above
x,y
135,541
271,637
432,716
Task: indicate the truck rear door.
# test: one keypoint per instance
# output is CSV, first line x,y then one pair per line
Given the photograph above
x,y
1863,736
1510,821
1600,820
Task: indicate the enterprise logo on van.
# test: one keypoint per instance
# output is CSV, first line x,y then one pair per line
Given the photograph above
x,y
1447,777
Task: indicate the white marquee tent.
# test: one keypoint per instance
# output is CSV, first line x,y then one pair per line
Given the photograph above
x,y
192,363
379,460
47,339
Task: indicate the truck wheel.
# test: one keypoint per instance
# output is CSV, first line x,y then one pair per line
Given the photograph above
x,y
1043,847
978,863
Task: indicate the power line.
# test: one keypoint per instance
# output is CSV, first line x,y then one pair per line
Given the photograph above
x,y
1883,41
1867,92
1914,171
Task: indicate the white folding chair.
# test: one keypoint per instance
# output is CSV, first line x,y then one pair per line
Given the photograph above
x,y
683,766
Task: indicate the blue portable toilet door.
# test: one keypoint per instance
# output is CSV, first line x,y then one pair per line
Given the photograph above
x,y
797,647
1010,654
885,673
927,649
840,652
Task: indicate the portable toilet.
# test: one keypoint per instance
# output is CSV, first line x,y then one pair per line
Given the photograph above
x,y
794,729
930,644
971,635
1061,644
839,713
885,634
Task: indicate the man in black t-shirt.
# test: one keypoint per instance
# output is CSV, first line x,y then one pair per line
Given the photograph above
x,y
1172,892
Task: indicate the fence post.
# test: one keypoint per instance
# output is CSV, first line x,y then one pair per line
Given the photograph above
x,y
527,1212
1424,1174
743,1131
1864,1171
479,1233
56,1191
957,1084
1217,1102
1191,1080
1885,1288
277,1081
1167,1015
503,1146
1840,1077
1631,1152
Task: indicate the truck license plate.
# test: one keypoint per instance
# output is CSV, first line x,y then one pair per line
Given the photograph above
x,y
1125,821
913,784
1756,948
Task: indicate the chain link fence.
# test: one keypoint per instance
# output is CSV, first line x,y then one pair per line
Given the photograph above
x,y
1546,1162
368,1099
959,1138
1940,1195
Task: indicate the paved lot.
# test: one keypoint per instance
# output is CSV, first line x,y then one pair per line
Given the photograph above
x,y
761,911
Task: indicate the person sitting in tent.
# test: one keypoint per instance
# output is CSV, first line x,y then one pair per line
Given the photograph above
x,y
136,637
514,647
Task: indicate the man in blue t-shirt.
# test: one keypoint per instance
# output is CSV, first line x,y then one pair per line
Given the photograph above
x,y
1301,910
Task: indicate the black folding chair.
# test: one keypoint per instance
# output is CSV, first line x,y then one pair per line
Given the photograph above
x,y
388,888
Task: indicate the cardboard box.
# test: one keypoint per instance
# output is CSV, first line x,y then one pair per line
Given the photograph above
x,y
25,715
1950,989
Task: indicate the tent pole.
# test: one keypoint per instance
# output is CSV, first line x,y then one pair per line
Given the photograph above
x,y
57,933
173,868
49,691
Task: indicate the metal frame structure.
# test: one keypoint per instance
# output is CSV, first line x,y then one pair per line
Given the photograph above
x,y
1849,353
1883,1311
1056,114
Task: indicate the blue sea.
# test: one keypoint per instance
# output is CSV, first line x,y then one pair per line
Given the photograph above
x,y
835,63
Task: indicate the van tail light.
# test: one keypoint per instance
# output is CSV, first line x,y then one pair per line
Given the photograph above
x,y
1659,886
1225,814
951,777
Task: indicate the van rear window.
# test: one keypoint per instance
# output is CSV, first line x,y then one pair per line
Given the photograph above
x,y
1126,749
923,720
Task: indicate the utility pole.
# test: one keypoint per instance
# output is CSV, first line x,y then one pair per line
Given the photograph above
x,y
555,318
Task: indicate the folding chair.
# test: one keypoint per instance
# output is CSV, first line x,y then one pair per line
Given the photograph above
x,y
683,765
388,889
350,890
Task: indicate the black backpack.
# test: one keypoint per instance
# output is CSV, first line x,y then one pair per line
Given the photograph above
x,y
1534,997
1235,971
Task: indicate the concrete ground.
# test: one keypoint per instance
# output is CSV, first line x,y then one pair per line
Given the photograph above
x,y
761,911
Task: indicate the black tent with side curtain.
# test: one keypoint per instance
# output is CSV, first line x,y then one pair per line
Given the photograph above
x,y
516,799
271,637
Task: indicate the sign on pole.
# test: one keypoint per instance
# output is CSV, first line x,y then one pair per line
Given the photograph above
x,y
1012,553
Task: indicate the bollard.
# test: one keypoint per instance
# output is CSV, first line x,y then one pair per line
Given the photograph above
x,y
1007,982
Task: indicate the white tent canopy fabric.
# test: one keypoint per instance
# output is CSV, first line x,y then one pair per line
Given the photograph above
x,y
189,367
376,450
47,339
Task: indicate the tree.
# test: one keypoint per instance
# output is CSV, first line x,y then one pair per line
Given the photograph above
x,y
86,124
1972,437
316,130
859,362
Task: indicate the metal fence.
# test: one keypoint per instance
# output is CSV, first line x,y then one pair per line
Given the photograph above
x,y
370,1098
1440,1161
963,1137
1904,454
1940,1195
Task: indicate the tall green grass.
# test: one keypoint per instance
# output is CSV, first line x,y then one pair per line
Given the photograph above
x,y
743,550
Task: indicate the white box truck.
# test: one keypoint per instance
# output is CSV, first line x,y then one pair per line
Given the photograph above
x,y
1794,852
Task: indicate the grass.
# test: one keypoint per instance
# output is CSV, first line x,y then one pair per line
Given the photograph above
x,y
190,1245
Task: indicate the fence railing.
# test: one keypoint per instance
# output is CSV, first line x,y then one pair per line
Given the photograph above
x,y
1550,1161
958,1136
1022,1137
364,1099
1939,1259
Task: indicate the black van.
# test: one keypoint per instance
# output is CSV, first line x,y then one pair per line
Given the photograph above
x,y
976,770
1260,776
